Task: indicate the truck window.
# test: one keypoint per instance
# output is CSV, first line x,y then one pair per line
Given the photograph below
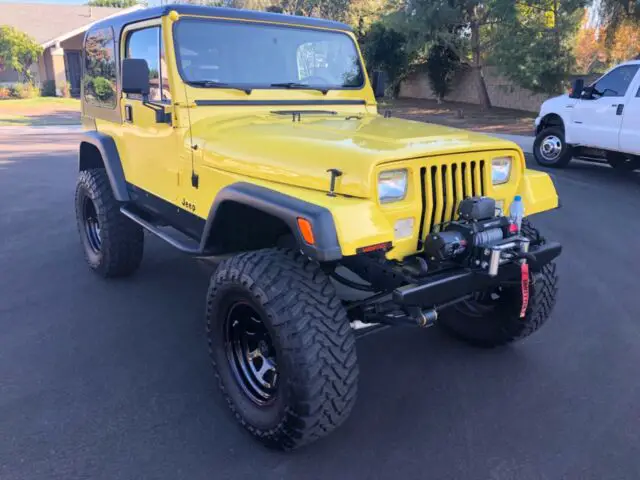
x,y
616,82
99,79
146,44
259,55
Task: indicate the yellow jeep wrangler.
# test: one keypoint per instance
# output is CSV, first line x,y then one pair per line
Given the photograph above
x,y
254,138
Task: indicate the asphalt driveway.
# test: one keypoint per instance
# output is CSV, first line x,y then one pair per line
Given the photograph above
x,y
110,379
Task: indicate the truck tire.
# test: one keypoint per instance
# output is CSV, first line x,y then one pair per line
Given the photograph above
x,y
487,321
623,162
281,347
113,245
550,148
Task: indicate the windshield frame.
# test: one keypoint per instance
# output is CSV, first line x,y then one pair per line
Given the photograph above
x,y
258,24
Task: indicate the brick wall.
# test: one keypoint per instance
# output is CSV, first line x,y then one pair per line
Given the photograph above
x,y
502,92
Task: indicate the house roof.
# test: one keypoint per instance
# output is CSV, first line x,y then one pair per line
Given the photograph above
x,y
48,23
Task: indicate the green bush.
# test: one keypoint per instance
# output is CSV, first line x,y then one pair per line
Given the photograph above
x,y
48,89
442,63
102,88
25,90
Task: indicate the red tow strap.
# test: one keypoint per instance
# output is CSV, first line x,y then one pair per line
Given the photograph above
x,y
524,281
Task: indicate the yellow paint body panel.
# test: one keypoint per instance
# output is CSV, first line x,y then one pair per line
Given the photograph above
x,y
225,144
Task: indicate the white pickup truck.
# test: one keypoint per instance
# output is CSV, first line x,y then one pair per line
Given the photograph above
x,y
601,121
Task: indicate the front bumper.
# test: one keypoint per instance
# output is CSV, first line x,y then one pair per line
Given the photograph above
x,y
451,285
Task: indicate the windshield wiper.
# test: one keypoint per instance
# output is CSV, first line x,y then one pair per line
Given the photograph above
x,y
214,84
301,86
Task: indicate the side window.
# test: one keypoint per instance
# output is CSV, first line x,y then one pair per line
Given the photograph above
x,y
146,44
616,82
100,68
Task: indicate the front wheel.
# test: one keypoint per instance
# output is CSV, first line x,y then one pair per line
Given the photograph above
x,y
281,346
492,318
550,148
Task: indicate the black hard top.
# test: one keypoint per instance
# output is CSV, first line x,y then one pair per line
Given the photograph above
x,y
119,21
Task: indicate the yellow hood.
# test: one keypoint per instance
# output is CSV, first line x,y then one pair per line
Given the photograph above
x,y
276,148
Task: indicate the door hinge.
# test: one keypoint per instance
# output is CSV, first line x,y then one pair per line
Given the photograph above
x,y
185,104
195,180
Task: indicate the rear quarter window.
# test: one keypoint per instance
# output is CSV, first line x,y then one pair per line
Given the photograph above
x,y
99,79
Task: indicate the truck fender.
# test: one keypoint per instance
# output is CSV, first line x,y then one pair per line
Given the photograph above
x,y
287,209
110,160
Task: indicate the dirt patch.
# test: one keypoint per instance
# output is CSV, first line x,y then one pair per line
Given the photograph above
x,y
464,115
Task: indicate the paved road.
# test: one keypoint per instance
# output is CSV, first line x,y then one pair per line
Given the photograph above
x,y
110,380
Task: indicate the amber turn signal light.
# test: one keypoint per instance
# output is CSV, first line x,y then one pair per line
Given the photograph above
x,y
305,229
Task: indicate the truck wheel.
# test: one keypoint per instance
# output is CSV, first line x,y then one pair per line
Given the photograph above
x,y
623,162
113,244
281,346
550,148
492,318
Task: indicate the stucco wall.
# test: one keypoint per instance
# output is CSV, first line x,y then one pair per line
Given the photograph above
x,y
502,92
73,43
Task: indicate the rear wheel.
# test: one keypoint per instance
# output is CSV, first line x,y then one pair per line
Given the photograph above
x,y
492,318
550,148
282,347
623,162
113,244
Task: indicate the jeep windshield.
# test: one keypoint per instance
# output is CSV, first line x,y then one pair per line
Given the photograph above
x,y
224,54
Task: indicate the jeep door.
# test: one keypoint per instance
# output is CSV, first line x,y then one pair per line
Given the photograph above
x,y
152,145
630,131
597,117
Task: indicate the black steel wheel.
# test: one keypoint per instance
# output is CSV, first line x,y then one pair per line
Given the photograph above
x,y
112,243
91,225
492,318
282,347
250,352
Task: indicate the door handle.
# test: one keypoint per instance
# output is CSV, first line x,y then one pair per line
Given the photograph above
x,y
128,113
620,109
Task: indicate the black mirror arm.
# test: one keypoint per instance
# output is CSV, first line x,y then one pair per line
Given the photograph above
x,y
161,114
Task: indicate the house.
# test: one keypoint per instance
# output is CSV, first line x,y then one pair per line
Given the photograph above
x,y
60,30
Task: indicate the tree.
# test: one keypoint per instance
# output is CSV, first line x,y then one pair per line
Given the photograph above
x,y
589,49
461,25
386,49
113,3
442,63
18,51
540,31
626,42
331,9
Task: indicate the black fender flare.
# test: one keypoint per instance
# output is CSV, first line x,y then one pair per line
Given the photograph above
x,y
286,208
110,159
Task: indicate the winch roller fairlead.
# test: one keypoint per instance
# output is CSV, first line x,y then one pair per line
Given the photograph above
x,y
478,251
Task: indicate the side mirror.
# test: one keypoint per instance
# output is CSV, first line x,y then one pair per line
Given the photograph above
x,y
379,83
587,93
135,76
577,88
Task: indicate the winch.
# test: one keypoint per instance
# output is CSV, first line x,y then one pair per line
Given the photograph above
x,y
473,237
